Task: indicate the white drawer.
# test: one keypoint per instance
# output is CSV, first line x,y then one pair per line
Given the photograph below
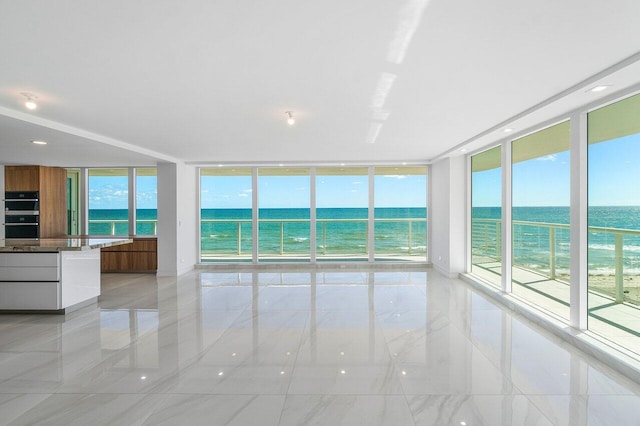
x,y
20,273
29,260
26,295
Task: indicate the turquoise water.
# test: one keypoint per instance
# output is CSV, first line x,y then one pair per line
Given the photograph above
x,y
348,234
531,243
338,231
122,216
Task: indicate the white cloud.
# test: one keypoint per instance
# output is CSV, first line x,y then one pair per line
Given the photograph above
x,y
395,176
356,183
550,157
242,194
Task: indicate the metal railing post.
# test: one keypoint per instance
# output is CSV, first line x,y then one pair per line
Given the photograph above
x,y
486,237
113,228
366,230
410,237
281,238
552,252
324,237
499,240
239,238
619,269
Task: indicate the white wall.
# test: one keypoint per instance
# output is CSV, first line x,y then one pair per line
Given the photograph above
x,y
176,218
187,218
447,223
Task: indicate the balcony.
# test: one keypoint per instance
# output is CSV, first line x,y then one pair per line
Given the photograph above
x,y
543,278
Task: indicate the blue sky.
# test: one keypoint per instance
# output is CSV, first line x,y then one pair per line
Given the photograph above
x,y
331,191
614,178
112,192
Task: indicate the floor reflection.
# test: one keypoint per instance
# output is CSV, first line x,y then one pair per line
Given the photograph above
x,y
310,346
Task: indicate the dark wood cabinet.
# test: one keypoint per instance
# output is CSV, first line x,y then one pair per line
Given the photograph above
x,y
139,256
51,183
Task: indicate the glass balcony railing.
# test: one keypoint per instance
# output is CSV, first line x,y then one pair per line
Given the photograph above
x,y
228,238
545,247
120,226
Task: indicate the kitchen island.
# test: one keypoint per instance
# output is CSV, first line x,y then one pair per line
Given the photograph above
x,y
52,275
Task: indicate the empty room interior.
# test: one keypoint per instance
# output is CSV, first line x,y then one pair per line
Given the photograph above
x,y
412,212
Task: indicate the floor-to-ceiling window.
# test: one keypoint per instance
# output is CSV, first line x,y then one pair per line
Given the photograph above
x,y
486,215
226,214
614,222
146,201
400,213
357,211
342,209
108,202
541,218
541,255
284,213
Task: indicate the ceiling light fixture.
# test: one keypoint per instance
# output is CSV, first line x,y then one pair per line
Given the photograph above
x,y
508,129
290,119
39,142
31,100
598,89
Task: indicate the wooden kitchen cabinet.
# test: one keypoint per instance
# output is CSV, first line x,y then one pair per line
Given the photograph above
x,y
51,183
139,256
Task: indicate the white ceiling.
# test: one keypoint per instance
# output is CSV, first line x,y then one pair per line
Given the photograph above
x,y
124,82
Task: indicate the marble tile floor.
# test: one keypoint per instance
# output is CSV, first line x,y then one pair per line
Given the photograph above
x,y
310,347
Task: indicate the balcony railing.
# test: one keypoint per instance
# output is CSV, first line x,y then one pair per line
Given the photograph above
x,y
323,236
486,241
112,225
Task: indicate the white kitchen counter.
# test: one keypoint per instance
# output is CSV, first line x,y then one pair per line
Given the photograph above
x,y
60,244
51,275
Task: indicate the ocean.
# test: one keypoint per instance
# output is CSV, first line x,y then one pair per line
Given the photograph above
x,y
339,230
344,231
531,247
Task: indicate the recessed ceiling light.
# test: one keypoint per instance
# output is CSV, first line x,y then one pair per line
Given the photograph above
x,y
508,129
463,150
598,89
39,142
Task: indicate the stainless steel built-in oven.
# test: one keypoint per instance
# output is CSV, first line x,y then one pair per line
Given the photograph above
x,y
22,214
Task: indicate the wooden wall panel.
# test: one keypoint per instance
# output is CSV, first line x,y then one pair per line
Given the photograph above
x,y
21,178
53,202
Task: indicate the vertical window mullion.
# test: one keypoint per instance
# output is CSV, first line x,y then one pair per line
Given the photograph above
x,y
429,192
312,215
84,201
132,201
371,218
469,210
507,227
579,224
254,214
